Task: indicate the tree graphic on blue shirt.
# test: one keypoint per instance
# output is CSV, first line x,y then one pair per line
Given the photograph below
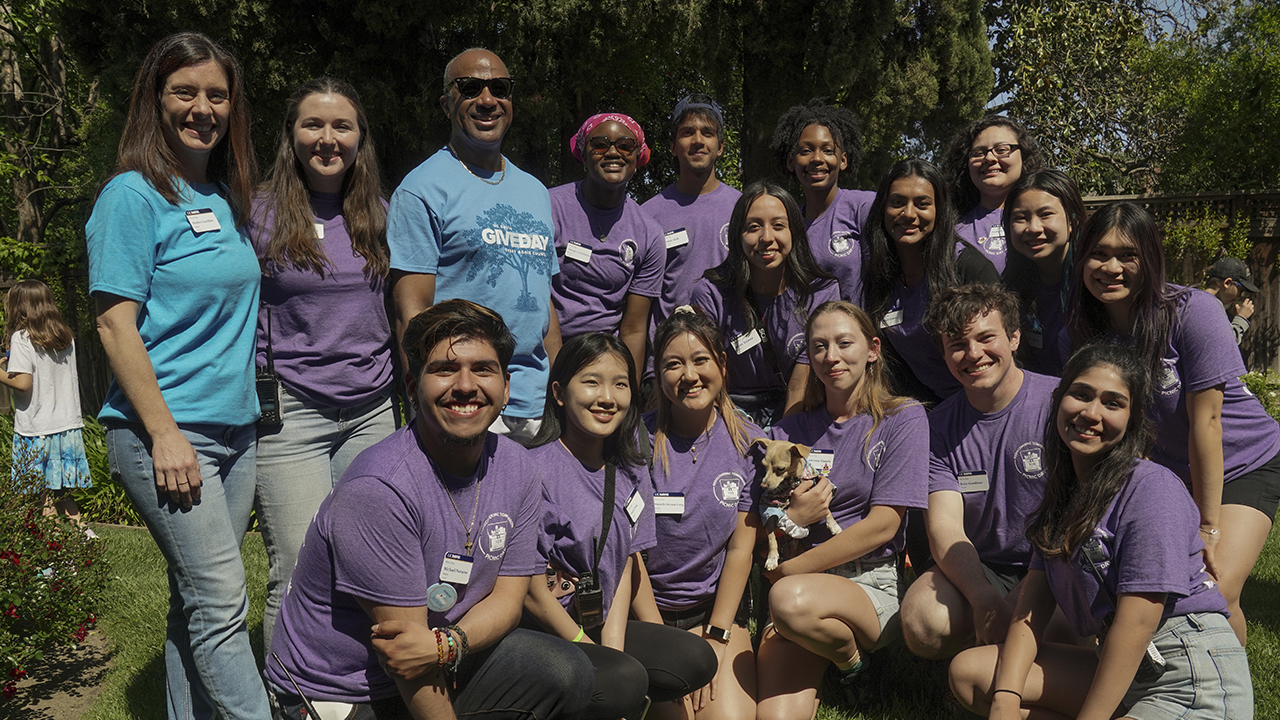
x,y
508,238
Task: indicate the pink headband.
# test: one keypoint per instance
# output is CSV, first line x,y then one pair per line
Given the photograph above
x,y
580,139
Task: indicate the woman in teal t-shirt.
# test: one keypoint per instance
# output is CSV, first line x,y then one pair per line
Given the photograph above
x,y
176,285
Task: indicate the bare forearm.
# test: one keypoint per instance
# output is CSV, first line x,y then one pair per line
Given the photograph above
x,y
614,633
498,614
552,340
548,611
795,389
131,367
1136,620
1204,451
643,604
736,572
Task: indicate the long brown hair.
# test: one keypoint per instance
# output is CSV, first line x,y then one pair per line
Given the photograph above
x,y
701,327
876,401
293,239
142,145
30,306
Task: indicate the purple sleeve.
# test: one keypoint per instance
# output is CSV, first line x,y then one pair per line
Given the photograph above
x,y
904,463
646,535
1151,544
522,556
1037,560
651,266
1201,336
706,297
377,556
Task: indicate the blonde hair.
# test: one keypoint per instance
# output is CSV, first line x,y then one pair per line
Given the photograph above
x,y
875,398
30,306
688,321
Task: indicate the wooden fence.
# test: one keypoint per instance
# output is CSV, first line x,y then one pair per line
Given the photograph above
x,y
1261,346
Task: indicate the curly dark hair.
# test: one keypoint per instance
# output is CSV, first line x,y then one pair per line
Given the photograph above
x,y
841,122
954,309
956,159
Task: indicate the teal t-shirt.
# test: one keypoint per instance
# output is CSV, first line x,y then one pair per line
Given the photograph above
x,y
197,294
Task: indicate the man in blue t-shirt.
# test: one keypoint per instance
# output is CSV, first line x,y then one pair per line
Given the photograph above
x,y
469,224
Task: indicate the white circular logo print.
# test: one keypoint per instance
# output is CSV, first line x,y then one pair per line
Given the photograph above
x,y
627,251
795,344
493,535
1168,383
875,454
1029,459
728,488
841,243
724,236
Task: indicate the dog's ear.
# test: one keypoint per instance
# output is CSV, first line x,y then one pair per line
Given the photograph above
x,y
798,454
763,442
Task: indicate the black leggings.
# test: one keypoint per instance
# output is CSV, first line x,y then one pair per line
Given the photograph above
x,y
658,661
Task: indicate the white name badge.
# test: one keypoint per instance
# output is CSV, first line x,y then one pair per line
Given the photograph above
x,y
821,461
577,251
456,568
676,238
892,318
746,341
203,220
635,506
975,481
668,503
319,230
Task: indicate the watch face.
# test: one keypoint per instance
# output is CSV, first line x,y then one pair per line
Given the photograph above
x,y
718,633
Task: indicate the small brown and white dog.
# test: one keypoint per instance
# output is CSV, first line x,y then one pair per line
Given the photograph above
x,y
785,466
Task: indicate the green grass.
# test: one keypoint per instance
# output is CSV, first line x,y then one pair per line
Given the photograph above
x,y
902,687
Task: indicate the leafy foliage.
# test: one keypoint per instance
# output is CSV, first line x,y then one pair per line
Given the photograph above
x,y
1193,243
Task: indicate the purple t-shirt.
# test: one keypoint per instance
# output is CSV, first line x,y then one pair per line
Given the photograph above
x,y
996,462
749,368
572,499
1151,541
835,238
382,535
715,482
1201,355
982,228
696,237
604,256
890,468
330,337
903,326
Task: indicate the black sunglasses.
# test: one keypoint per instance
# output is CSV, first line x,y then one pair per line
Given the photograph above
x,y
471,87
599,145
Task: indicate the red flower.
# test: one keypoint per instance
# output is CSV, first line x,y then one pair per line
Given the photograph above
x,y
11,611
17,673
10,690
54,545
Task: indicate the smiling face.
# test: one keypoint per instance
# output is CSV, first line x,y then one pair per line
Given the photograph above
x,y
696,145
994,176
326,137
611,168
692,375
1112,272
195,108
1094,413
595,400
839,353
981,359
459,393
816,160
1040,226
910,211
766,233
482,120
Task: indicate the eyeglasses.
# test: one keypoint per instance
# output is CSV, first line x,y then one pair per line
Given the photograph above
x,y
471,87
599,145
1001,150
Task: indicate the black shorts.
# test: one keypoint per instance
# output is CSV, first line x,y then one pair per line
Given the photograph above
x,y
1003,577
1258,489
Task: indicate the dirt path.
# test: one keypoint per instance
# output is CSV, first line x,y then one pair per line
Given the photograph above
x,y
63,685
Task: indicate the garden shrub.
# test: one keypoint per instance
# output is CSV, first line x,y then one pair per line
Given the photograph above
x,y
52,575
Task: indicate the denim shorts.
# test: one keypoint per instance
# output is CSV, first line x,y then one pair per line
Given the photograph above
x,y
1207,674
879,580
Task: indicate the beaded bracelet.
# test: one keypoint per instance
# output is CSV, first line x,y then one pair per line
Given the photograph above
x,y
463,646
439,647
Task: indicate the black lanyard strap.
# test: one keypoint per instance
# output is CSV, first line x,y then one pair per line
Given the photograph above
x,y
606,515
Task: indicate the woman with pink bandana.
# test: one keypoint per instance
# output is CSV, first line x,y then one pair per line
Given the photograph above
x,y
611,253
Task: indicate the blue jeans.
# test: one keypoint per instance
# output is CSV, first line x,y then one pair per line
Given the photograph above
x,y
208,661
1206,678
298,463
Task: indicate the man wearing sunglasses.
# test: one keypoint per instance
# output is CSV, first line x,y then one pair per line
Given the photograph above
x,y
469,224
694,210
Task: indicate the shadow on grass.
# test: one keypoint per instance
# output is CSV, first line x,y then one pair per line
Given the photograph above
x,y
146,687
62,685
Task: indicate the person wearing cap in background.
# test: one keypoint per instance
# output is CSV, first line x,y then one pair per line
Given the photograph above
x,y
610,251
467,223
694,210
1227,280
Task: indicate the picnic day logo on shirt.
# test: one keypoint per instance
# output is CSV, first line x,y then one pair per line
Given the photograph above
x,y
494,535
627,251
875,454
1029,459
795,345
728,488
724,236
841,243
1169,383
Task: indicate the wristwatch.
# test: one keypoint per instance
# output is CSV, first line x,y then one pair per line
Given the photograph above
x,y
716,633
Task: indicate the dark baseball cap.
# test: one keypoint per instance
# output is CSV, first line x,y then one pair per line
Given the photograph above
x,y
1235,269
